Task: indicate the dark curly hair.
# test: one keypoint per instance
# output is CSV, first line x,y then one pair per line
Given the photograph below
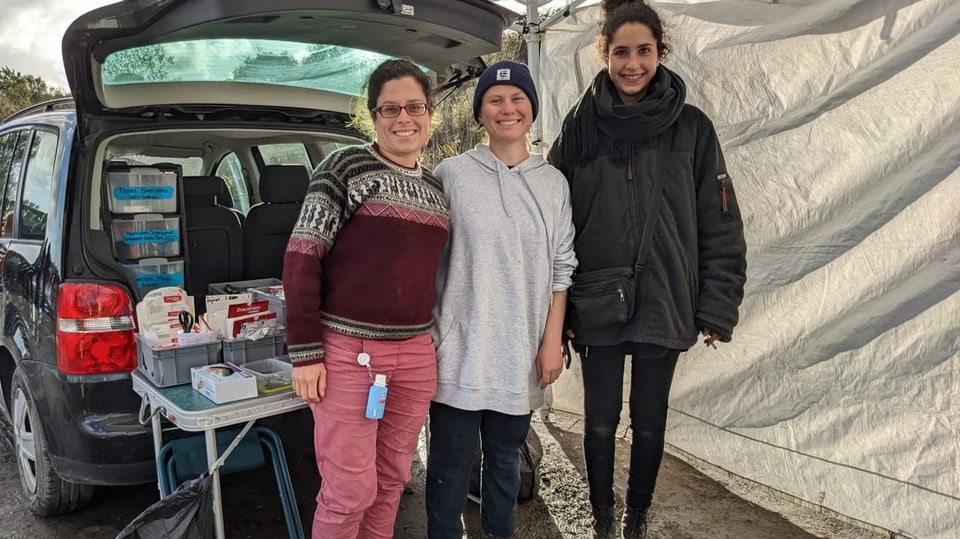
x,y
392,70
616,13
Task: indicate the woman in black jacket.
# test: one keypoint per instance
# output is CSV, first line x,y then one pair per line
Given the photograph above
x,y
660,242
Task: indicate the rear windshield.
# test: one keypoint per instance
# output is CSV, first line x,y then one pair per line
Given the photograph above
x,y
304,65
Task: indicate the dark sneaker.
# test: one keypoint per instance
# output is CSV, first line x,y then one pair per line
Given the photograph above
x,y
634,524
604,523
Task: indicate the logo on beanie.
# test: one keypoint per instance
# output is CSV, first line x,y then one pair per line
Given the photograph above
x,y
503,74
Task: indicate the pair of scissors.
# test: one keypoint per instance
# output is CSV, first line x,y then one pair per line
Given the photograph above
x,y
186,321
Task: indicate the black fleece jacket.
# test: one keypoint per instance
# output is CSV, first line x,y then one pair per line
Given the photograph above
x,y
695,270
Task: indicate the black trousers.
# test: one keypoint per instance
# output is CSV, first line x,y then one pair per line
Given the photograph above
x,y
453,446
650,379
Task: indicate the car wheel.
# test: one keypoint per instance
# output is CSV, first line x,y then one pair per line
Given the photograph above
x,y
46,492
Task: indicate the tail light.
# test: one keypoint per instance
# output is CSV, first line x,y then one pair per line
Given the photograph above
x,y
95,329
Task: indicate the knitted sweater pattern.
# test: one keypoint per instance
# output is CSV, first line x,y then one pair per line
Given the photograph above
x,y
363,256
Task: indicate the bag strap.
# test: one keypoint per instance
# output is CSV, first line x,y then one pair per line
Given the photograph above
x,y
651,222
233,445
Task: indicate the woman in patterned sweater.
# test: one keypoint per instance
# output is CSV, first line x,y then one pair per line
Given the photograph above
x,y
359,276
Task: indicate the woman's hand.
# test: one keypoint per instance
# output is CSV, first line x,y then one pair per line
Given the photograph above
x,y
711,337
550,355
310,382
549,363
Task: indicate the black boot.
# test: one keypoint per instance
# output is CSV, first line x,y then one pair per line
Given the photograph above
x,y
634,523
604,522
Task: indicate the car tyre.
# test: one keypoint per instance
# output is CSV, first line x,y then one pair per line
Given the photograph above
x,y
46,492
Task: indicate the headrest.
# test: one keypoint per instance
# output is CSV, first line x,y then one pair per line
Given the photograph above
x,y
208,189
283,184
224,198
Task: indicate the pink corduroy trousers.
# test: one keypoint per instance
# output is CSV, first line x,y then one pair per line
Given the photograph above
x,y
364,463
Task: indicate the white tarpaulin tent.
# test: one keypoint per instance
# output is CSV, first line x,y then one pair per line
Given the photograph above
x,y
840,122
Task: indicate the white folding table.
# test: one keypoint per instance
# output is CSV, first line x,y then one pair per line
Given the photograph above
x,y
190,411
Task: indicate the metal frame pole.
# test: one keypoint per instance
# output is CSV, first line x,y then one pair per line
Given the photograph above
x,y
532,36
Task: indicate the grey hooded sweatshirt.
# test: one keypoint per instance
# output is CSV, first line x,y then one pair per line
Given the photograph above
x,y
510,248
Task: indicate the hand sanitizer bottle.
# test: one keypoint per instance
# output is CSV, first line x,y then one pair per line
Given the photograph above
x,y
377,397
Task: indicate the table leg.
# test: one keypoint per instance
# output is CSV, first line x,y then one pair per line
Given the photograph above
x,y
210,436
157,443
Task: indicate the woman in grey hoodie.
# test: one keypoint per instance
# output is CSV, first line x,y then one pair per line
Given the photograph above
x,y
502,295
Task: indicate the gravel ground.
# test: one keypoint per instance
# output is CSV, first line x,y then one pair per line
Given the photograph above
x,y
688,504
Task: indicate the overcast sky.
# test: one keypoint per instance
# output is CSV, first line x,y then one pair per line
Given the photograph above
x,y
31,30
30,33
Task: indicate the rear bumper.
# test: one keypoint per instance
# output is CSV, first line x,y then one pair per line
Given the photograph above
x,y
98,473
92,430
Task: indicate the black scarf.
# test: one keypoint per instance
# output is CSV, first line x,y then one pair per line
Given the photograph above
x,y
601,112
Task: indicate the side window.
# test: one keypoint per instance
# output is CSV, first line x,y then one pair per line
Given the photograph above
x,y
8,141
285,154
231,170
36,188
12,183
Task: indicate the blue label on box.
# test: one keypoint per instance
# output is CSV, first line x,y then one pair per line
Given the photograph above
x,y
155,280
158,235
143,192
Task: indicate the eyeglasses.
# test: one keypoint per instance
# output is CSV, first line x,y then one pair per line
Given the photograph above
x,y
392,111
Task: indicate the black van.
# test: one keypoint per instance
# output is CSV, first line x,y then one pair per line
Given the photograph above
x,y
238,100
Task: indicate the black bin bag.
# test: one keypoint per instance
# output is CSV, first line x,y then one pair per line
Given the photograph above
x,y
185,514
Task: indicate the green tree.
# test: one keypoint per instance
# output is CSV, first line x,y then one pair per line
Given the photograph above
x,y
141,64
264,66
18,91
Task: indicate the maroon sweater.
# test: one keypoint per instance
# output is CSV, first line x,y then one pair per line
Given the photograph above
x,y
362,259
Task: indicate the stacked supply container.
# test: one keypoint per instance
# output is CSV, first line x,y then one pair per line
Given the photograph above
x,y
146,224
271,346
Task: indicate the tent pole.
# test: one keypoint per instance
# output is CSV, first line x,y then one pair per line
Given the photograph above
x,y
565,12
532,36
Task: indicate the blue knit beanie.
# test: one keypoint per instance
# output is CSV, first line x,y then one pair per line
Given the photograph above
x,y
506,72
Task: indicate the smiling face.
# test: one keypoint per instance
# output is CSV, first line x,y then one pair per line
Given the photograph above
x,y
632,60
506,113
401,138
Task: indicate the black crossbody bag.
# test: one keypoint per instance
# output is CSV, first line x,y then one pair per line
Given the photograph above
x,y
605,298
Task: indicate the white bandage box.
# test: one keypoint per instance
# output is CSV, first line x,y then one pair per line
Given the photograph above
x,y
223,382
